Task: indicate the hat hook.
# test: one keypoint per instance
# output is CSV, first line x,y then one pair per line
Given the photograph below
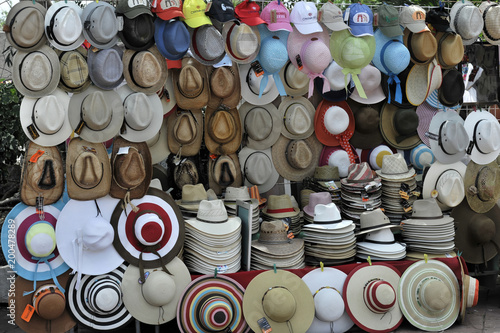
x,y
322,266
369,259
274,267
215,272
426,257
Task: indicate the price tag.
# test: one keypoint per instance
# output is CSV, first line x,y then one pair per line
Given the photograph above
x,y
264,325
36,156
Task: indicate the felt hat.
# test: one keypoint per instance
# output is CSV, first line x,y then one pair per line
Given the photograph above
x,y
276,16
450,94
151,294
222,130
333,122
224,171
331,16
298,115
261,124
145,71
370,297
466,20
45,119
207,45
375,156
338,92
248,12
156,230
360,20
186,173
211,303
106,67
336,156
194,13
282,298
138,27
484,131
372,86
388,20
257,168
172,38
49,302
131,168
143,114
95,114
74,70
100,24
304,16
421,81
491,29
242,42
250,86
447,180
448,138
42,175
422,46
394,167
421,156
399,126
185,132
24,26
88,170
326,286
191,85
36,73
450,46
167,10
429,296
482,185
296,159
63,26
35,242
225,88
367,133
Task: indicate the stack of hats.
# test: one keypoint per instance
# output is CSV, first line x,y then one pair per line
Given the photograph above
x,y
379,242
315,199
361,191
281,207
189,203
241,193
329,239
428,230
326,179
213,240
398,186
276,247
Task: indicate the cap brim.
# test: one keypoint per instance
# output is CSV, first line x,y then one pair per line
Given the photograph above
x,y
392,31
417,27
310,28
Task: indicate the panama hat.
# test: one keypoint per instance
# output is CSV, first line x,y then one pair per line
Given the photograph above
x,y
296,82
63,26
242,42
250,86
36,257
280,206
491,31
394,167
375,220
194,13
145,71
333,122
261,124
326,285
207,45
479,126
211,303
447,180
338,157
191,85
466,20
143,114
370,297
367,133
167,10
399,126
88,170
225,88
477,234
422,46
222,130
282,298
296,159
49,304
257,168
42,175
224,171
157,212
74,70
422,80
151,294
100,25
372,86
429,296
106,67
482,185
98,303
36,73
450,45
172,38
421,156
447,137
24,26
375,156
191,197
95,114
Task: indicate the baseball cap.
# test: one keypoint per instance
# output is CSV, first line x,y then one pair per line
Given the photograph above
x,y
276,16
222,11
332,17
194,13
167,9
388,20
360,20
304,16
413,18
248,12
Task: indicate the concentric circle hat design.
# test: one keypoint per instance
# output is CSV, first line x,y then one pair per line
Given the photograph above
x,y
153,233
212,304
429,296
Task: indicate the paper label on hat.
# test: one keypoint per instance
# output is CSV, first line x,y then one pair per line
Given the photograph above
x,y
123,150
257,68
120,22
346,14
299,62
28,313
274,16
209,5
375,20
264,325
133,3
320,15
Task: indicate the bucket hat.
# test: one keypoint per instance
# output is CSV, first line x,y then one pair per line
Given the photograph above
x,y
331,16
24,26
88,170
242,42
333,123
42,175
450,94
388,20
298,117
224,171
375,156
394,167
95,114
304,16
194,13
367,133
372,86
482,124
63,26
167,10
337,157
248,12
491,29
100,24
250,86
106,67
296,159
278,21
225,89
45,120
360,20
467,21
172,38
261,124
222,130
450,45
422,46
74,70
138,28
482,185
185,132
207,45
145,71
36,73
282,298
399,126
447,180
191,85
421,156
338,92
429,296
257,168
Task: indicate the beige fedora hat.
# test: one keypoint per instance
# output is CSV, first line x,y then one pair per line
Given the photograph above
x,y
261,124
296,83
185,132
145,71
250,87
24,26
258,169
298,117
242,42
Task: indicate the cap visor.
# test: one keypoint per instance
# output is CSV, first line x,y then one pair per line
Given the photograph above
x,y
362,30
310,28
280,26
417,27
392,31
137,11
337,26
196,22
252,21
170,14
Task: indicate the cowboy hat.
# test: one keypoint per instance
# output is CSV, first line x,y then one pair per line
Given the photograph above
x,y
257,168
482,185
399,126
261,124
63,25
74,70
224,171
24,26
106,67
191,85
225,88
172,38
100,24
447,180
145,71
447,137
484,131
367,133
185,132
222,130
88,170
242,42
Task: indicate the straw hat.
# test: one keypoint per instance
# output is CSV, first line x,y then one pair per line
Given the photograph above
x,y
482,185
88,170
24,26
484,133
333,122
466,20
421,81
422,46
63,25
74,70
191,85
225,89
224,171
242,42
257,168
491,29
394,167
429,295
191,197
295,81
250,86
222,130
282,298
279,206
450,49
447,180
106,67
399,126
298,117
100,24
261,124
145,71
375,220
447,137
207,45
185,132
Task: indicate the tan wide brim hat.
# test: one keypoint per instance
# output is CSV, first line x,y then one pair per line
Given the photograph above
x,y
432,177
282,157
188,74
272,130
286,103
244,156
224,81
216,168
253,309
473,179
128,64
389,131
250,92
422,46
222,134
158,144
193,147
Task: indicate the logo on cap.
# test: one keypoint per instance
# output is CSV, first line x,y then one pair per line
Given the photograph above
x,y
418,15
361,18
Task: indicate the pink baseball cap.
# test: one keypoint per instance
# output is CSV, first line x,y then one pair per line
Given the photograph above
x,y
276,16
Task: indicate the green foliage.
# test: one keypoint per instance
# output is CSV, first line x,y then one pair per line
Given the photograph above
x,y
12,137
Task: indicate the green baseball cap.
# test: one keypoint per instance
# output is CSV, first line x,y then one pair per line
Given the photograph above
x,y
388,20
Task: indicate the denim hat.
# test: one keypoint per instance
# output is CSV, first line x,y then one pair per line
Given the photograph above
x,y
172,38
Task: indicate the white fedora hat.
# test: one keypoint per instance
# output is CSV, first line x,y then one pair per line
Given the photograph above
x,y
100,24
63,25
484,134
447,137
445,183
257,168
250,85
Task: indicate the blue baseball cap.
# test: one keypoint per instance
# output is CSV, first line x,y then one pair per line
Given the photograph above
x,y
360,20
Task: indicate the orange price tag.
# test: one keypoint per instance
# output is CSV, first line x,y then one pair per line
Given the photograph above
x,y
28,313
213,156
36,156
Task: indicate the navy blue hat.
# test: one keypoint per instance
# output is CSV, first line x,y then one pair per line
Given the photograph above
x,y
172,38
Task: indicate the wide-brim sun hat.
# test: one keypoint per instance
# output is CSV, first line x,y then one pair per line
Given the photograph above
x,y
298,115
422,80
257,168
482,185
371,79
333,122
250,85
261,124
296,83
447,137
472,124
391,55
437,175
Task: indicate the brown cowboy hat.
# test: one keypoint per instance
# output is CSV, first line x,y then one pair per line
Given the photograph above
x,y
224,171
191,86
225,87
185,132
222,130
482,186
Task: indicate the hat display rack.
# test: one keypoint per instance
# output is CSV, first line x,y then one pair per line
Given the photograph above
x,y
218,178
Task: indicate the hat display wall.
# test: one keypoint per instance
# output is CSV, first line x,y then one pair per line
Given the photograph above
x,y
338,91
482,185
370,297
388,20
447,137
74,70
429,296
421,81
298,116
224,171
258,168
172,38
483,130
42,175
222,130
282,298
421,156
145,71
261,124
450,49
360,20
63,26
372,86
399,126
24,26
326,286
106,67
467,21
242,42
88,170
36,73
367,133
225,88
207,45
191,85
185,132
95,114
212,304
331,16
35,243
131,168
447,180
491,31
250,87
151,294
100,25
156,230
194,13
98,303
276,16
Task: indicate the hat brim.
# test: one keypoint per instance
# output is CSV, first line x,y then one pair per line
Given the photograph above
x,y
389,132
158,146
251,96
128,56
432,177
470,122
273,177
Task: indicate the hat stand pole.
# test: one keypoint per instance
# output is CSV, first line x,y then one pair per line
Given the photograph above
x,y
137,326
